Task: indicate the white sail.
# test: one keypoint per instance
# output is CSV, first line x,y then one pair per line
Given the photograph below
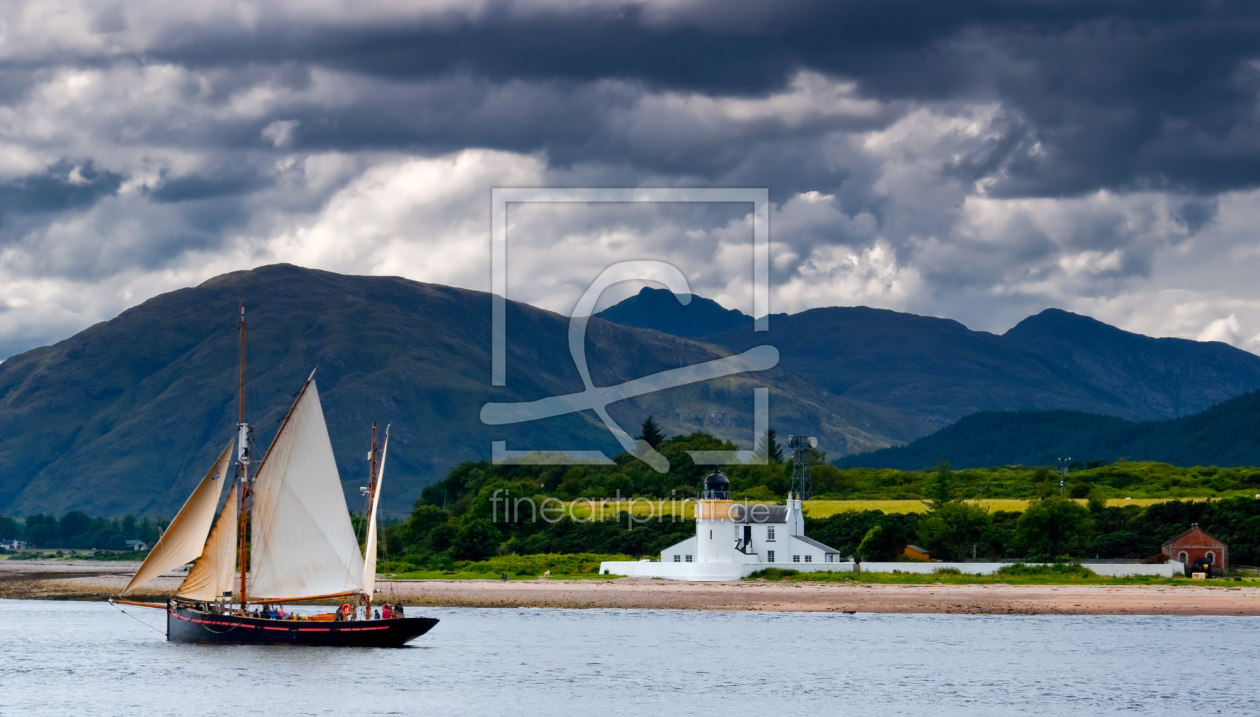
x,y
212,576
186,535
303,544
369,558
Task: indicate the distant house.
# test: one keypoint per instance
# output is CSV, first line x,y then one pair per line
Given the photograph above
x,y
914,552
136,545
1194,544
14,545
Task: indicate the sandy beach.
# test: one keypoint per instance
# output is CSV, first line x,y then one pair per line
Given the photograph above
x,y
97,581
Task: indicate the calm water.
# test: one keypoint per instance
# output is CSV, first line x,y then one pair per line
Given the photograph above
x,y
87,658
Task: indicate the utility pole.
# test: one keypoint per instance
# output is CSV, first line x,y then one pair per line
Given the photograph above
x,y
1063,471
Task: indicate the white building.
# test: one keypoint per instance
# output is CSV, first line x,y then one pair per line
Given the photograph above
x,y
736,539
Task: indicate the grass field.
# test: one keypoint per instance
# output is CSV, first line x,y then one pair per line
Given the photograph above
x,y
824,508
585,510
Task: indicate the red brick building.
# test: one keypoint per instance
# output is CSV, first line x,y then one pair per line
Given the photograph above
x,y
1194,544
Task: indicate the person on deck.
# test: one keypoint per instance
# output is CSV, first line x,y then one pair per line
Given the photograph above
x,y
376,615
385,612
398,610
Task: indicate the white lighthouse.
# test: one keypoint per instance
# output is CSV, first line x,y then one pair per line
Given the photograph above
x,y
734,539
716,534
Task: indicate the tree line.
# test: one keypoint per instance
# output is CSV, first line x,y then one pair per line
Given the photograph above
x,y
1050,528
77,530
455,519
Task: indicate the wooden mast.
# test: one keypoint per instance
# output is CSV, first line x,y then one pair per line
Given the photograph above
x,y
372,468
242,466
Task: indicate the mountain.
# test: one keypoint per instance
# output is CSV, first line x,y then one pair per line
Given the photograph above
x,y
660,310
1151,378
1225,435
126,415
939,370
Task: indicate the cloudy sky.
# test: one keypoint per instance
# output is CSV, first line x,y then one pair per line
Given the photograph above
x,y
978,160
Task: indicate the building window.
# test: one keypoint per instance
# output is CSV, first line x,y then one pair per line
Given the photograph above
x,y
770,556
796,558
769,533
1182,557
1211,557
689,558
809,558
710,535
677,558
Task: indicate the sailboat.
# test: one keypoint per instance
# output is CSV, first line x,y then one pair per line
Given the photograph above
x,y
300,544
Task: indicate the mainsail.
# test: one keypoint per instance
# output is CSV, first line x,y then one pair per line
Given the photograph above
x,y
303,544
186,535
369,559
211,578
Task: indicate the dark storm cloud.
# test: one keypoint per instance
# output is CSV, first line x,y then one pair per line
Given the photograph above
x,y
184,189
1126,95
63,186
894,132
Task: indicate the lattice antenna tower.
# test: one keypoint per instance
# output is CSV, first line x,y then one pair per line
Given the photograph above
x,y
802,448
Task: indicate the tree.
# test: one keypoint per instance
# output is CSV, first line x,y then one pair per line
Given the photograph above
x,y
768,448
74,527
651,432
9,528
424,518
1053,527
477,539
941,492
42,531
1043,483
950,530
879,544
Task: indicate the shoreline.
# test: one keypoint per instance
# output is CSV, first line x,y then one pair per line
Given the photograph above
x,y
93,581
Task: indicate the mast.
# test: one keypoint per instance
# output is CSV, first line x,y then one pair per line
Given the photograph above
x,y
371,495
242,464
370,544
372,468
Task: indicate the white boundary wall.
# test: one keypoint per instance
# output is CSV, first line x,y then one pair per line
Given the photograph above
x,y
710,572
717,572
1110,570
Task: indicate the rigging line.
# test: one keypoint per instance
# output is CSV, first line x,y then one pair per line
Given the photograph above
x,y
192,437
133,617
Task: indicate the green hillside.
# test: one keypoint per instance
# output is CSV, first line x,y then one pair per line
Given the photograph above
x,y
1224,435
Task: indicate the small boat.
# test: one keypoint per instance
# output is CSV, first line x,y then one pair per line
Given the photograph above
x,y
301,544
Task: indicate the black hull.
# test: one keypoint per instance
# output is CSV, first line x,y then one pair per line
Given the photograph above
x,y
187,625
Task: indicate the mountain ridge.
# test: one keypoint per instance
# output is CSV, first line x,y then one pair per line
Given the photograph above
x,y
662,310
939,371
122,416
